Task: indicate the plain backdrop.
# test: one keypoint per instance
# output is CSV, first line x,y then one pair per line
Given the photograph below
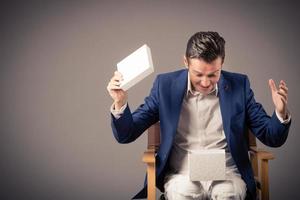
x,y
56,58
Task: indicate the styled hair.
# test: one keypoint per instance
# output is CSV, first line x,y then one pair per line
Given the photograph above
x,y
206,45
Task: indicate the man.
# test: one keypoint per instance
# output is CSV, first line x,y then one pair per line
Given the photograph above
x,y
202,107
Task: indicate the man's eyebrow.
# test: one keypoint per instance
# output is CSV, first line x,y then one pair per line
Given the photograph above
x,y
197,71
214,72
208,73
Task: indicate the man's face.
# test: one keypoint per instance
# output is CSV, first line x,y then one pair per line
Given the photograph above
x,y
204,76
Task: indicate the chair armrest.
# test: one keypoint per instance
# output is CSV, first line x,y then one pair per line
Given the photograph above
x,y
149,156
262,154
261,179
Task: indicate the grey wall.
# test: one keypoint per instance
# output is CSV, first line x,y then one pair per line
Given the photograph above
x,y
56,58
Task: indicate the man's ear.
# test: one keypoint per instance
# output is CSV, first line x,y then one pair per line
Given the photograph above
x,y
185,61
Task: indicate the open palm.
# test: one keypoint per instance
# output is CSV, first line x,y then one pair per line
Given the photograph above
x,y
280,97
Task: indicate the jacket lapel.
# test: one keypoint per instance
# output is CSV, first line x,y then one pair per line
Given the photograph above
x,y
178,90
225,95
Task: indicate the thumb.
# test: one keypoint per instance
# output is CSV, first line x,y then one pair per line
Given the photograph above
x,y
272,85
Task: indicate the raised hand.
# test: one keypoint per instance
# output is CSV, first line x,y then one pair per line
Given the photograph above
x,y
117,94
280,97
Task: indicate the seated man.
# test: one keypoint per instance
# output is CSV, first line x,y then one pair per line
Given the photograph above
x,y
202,107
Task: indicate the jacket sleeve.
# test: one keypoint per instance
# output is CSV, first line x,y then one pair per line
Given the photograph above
x,y
269,130
130,126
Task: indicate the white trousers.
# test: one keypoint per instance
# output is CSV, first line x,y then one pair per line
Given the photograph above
x,y
180,187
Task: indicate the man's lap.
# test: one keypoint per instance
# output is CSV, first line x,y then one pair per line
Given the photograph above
x,y
179,186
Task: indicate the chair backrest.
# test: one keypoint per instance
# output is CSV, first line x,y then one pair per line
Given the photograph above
x,y
154,136
251,139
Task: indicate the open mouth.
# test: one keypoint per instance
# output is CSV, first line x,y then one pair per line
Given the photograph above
x,y
204,87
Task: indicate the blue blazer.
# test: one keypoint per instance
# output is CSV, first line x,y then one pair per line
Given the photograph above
x,y
239,112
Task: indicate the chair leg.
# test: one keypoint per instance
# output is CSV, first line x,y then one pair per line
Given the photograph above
x,y
151,181
264,180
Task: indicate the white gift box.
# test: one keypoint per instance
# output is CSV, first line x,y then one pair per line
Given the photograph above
x,y
135,67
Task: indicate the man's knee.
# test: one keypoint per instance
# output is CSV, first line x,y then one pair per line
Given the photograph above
x,y
180,187
227,191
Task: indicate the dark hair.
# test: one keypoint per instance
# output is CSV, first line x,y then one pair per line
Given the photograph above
x,y
206,45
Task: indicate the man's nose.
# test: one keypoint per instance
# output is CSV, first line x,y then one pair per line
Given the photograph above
x,y
205,82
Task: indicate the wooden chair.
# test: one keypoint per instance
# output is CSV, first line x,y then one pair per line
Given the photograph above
x,y
260,164
258,157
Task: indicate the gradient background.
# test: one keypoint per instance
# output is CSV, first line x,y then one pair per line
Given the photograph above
x,y
56,58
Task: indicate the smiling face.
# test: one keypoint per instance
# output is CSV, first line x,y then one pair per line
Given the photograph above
x,y
203,76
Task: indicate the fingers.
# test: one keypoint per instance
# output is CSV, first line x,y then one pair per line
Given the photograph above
x,y
283,96
282,86
113,85
115,81
283,90
272,85
117,77
118,74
